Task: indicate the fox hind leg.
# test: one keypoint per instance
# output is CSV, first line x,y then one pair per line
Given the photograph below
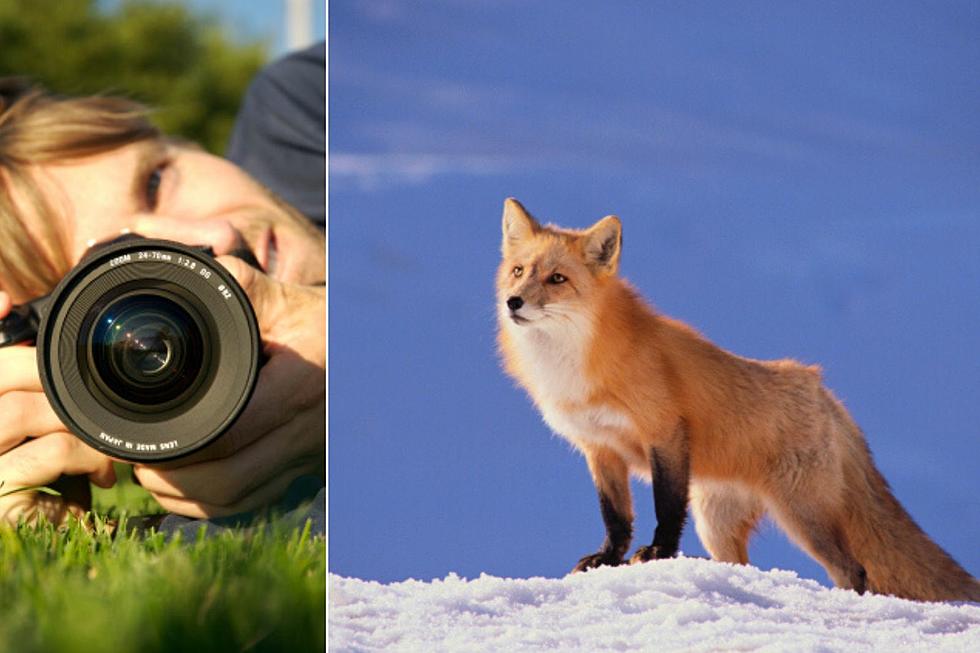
x,y
725,514
821,537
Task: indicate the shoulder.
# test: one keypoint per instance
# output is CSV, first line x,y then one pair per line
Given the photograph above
x,y
302,68
298,79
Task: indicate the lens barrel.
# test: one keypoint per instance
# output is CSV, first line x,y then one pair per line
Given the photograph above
x,y
149,350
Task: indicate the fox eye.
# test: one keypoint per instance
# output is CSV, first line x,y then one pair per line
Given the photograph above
x,y
557,277
518,270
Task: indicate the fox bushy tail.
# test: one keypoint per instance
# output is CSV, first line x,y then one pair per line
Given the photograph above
x,y
897,555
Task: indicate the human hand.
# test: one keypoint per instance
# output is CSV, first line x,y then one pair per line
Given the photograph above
x,y
36,448
281,434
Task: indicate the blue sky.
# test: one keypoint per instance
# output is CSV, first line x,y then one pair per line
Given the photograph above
x,y
794,181
258,20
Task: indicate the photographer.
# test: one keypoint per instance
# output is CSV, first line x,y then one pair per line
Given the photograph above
x,y
74,171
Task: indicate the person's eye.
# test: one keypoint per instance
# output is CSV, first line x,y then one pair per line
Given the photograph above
x,y
518,270
557,277
151,188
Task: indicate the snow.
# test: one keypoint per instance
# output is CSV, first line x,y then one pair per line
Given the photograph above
x,y
685,604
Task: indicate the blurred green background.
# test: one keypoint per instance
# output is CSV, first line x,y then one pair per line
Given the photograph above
x,y
181,59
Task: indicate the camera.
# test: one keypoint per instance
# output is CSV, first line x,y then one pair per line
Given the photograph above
x,y
147,350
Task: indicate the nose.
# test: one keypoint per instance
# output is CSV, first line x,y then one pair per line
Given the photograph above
x,y
514,303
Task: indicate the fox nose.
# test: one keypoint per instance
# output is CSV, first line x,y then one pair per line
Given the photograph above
x,y
514,303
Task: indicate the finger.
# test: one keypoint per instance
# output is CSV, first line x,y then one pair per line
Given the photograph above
x,y
267,295
5,304
24,415
41,462
103,472
280,308
220,235
227,481
18,369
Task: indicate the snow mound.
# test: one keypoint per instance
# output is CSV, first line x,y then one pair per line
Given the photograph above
x,y
683,604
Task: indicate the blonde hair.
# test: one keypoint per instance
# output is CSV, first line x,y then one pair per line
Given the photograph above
x,y
36,128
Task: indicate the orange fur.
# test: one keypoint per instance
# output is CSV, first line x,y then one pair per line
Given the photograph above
x,y
615,379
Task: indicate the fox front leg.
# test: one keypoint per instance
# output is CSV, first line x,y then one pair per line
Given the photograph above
x,y
671,468
611,478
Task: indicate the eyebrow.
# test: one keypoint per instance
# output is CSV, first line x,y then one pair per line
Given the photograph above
x,y
151,154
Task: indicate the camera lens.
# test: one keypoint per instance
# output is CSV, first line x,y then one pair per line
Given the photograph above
x,y
147,349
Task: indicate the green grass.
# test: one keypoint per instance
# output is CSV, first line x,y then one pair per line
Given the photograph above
x,y
72,589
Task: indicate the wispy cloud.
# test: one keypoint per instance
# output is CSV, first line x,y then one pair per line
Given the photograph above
x,y
422,91
398,11
374,171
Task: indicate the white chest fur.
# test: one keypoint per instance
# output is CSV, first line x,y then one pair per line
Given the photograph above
x,y
587,425
554,369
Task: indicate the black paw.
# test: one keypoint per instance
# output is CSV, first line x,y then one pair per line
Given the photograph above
x,y
651,552
598,559
859,580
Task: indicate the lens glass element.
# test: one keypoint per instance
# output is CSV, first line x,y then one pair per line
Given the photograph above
x,y
147,349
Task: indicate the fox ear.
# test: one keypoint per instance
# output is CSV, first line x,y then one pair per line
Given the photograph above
x,y
518,224
603,243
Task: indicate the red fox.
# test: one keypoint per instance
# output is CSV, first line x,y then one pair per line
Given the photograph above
x,y
637,392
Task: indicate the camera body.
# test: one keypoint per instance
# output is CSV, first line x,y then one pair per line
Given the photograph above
x,y
147,350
